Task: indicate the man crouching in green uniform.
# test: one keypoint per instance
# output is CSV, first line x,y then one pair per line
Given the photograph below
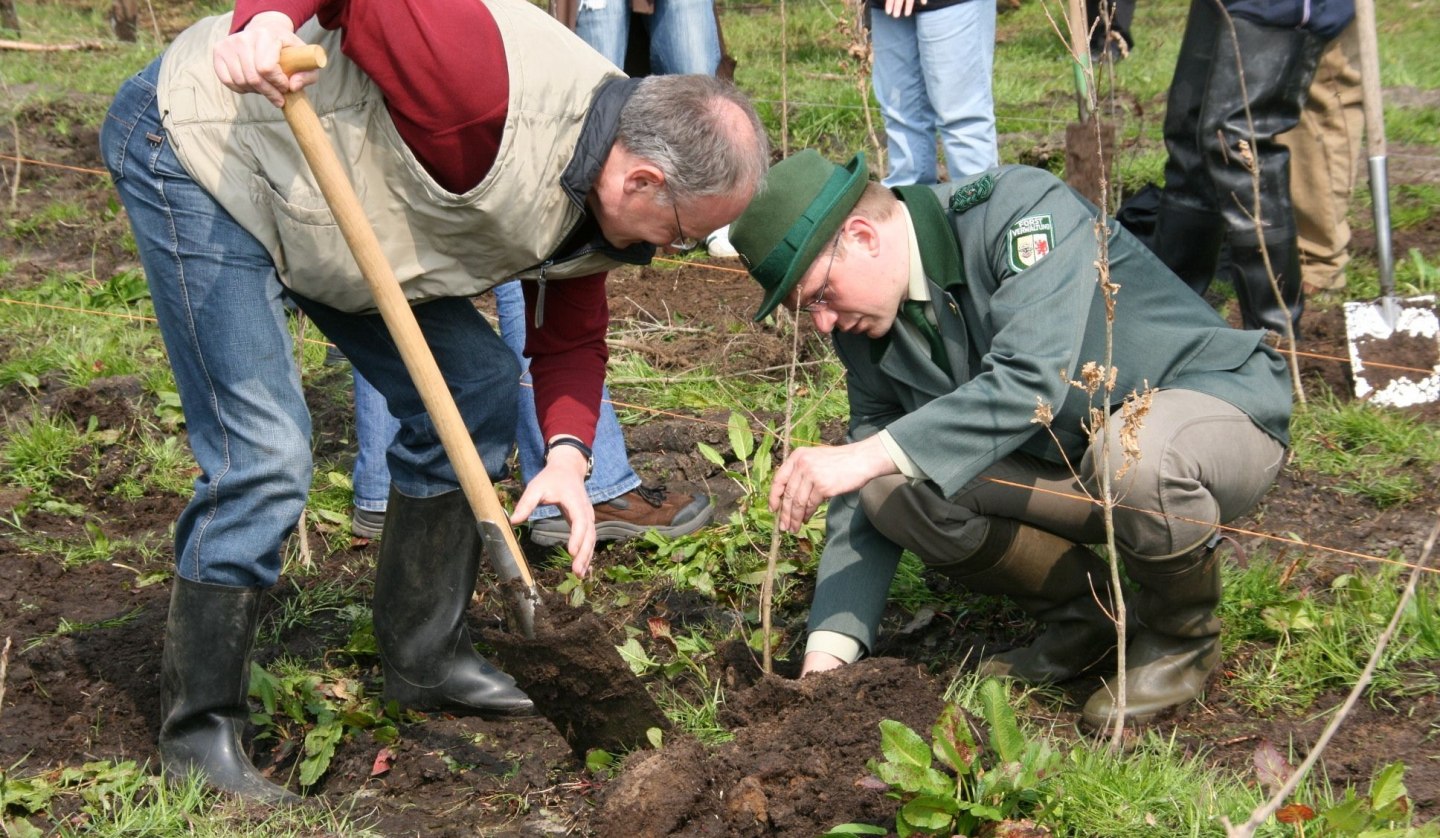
x,y
967,315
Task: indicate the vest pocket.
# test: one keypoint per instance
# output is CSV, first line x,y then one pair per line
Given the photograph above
x,y
310,252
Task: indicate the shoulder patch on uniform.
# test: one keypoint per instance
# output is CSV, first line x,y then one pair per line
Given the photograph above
x,y
1030,240
973,193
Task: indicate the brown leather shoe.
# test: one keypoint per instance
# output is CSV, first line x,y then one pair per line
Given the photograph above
x,y
642,510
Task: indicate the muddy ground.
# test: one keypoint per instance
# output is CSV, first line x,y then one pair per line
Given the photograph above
x,y
796,764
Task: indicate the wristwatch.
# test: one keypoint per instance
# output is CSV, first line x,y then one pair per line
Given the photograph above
x,y
577,445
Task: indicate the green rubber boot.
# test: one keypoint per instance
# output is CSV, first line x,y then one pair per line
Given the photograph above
x,y
1063,585
1177,643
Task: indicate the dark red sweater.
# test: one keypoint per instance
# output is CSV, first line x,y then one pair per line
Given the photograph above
x,y
441,66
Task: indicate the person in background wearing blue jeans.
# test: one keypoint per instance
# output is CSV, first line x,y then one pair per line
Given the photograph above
x,y
932,68
684,37
644,37
623,507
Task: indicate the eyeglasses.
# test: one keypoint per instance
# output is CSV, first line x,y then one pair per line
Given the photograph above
x,y
819,301
682,243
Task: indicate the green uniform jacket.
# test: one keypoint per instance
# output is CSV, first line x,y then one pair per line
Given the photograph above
x,y
1011,258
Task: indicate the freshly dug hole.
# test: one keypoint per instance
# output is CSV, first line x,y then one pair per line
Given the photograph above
x,y
578,680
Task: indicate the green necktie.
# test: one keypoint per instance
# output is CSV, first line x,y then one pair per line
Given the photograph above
x,y
915,312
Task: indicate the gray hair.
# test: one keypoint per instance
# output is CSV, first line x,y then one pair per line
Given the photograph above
x,y
675,122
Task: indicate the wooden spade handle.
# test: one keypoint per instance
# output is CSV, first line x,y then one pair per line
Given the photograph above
x,y
395,310
1375,149
1371,100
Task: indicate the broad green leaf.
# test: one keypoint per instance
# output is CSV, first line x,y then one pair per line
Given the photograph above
x,y
931,813
634,655
755,577
984,811
1288,617
741,440
845,829
1348,817
951,740
913,778
1005,736
903,746
1389,786
31,794
320,745
710,454
263,686
598,761
761,469
330,515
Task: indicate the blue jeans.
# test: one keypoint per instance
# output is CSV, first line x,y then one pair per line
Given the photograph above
x,y
374,429
374,426
932,74
683,36
221,310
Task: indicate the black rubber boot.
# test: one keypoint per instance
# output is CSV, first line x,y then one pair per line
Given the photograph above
x,y
1260,307
1177,644
1063,585
1187,239
205,678
429,557
1279,66
1188,228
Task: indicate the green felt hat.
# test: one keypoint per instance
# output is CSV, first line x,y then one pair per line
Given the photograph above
x,y
803,203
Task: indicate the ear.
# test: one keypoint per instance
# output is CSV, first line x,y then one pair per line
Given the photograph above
x,y
860,232
641,176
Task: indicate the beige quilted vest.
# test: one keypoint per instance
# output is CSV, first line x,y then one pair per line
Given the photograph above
x,y
439,244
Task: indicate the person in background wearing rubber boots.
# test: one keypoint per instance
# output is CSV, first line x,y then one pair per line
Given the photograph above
x,y
485,142
968,317
1231,96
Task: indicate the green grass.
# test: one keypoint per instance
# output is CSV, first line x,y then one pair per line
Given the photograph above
x,y
1287,646
79,328
60,213
1381,455
1159,789
1157,786
66,628
343,598
702,388
94,546
84,79
38,451
124,800
168,469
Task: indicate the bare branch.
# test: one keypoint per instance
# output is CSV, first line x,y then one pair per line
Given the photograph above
x,y
73,46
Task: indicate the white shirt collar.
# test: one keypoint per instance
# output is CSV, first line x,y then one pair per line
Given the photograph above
x,y
919,289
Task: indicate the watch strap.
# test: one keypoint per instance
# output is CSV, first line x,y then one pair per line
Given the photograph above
x,y
577,445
